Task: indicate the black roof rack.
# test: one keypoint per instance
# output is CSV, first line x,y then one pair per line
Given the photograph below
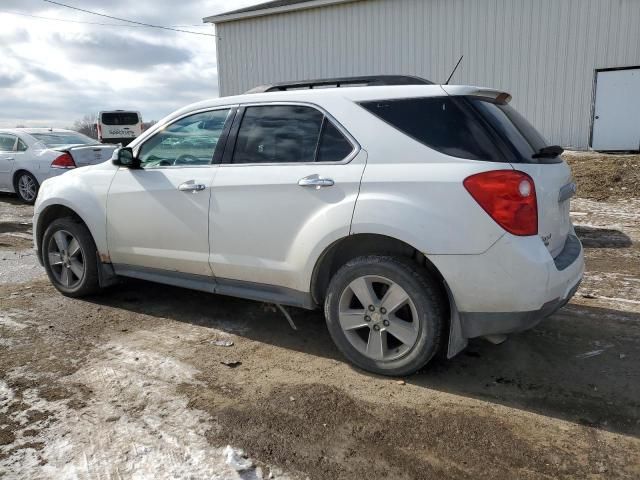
x,y
365,81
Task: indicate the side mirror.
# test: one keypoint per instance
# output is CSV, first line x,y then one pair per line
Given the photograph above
x,y
124,157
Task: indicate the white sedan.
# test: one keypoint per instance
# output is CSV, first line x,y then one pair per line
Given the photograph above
x,y
28,156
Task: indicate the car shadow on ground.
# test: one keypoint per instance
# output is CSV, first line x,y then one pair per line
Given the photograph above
x,y
601,237
10,198
581,365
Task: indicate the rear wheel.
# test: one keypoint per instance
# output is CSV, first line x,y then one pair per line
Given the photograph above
x,y
27,187
69,257
385,314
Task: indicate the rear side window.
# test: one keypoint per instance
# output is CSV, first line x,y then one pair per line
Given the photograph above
x,y
278,134
288,134
120,118
333,145
7,142
442,123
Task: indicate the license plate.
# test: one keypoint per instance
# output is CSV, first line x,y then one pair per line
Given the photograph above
x,y
122,133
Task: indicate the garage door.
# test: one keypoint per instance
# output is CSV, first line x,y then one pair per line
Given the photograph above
x,y
616,121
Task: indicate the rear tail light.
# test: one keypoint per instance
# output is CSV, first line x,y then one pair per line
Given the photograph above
x,y
509,197
64,161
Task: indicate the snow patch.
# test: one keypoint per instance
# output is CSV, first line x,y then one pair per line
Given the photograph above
x,y
8,322
6,396
135,425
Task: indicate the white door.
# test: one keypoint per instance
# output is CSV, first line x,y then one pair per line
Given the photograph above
x,y
157,215
293,178
7,159
616,121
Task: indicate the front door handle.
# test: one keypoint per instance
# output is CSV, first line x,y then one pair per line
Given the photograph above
x,y
9,159
315,181
191,187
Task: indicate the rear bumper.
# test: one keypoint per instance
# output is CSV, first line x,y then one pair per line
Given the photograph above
x,y
512,286
478,324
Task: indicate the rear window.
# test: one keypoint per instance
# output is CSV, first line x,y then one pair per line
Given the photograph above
x,y
513,127
55,139
443,123
120,118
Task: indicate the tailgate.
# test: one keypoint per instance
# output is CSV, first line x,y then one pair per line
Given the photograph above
x,y
91,154
554,188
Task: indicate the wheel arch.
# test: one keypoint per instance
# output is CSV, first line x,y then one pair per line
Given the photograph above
x,y
362,244
16,175
48,215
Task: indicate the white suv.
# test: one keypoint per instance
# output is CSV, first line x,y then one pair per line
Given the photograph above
x,y
417,215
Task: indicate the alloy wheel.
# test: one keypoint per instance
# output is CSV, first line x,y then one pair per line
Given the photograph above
x,y
378,318
27,188
66,259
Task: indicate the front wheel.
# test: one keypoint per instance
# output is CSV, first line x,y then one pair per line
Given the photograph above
x,y
69,257
385,314
27,187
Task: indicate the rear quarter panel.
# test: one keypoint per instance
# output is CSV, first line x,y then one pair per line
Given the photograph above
x,y
415,194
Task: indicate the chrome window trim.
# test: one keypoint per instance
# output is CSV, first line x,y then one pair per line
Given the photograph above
x,y
354,143
162,127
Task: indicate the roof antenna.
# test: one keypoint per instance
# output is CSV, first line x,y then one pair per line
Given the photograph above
x,y
454,70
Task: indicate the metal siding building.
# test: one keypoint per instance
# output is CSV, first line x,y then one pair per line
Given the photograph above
x,y
544,52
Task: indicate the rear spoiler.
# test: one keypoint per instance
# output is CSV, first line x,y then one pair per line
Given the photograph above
x,y
459,90
68,148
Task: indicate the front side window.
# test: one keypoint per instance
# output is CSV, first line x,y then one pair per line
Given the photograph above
x,y
190,141
7,142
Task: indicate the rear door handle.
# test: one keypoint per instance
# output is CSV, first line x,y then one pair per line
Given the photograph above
x,y
315,181
9,158
191,187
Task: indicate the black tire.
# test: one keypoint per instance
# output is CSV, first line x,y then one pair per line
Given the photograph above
x,y
427,303
26,197
72,228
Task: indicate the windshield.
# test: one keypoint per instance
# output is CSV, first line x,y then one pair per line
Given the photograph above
x,y
58,139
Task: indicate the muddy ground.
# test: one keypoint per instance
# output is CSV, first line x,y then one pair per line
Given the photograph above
x,y
143,382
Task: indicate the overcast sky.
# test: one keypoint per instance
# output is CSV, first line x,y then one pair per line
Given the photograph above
x,y
52,73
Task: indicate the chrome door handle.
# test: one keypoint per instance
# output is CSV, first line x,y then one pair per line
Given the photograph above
x,y
315,181
191,187
9,158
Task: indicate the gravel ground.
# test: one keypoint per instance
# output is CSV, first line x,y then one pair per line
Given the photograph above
x,y
150,381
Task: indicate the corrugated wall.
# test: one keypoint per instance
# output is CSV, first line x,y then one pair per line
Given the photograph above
x,y
544,52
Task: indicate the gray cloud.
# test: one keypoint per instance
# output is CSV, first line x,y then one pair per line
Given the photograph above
x,y
65,104
45,79
158,12
18,36
113,50
9,79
